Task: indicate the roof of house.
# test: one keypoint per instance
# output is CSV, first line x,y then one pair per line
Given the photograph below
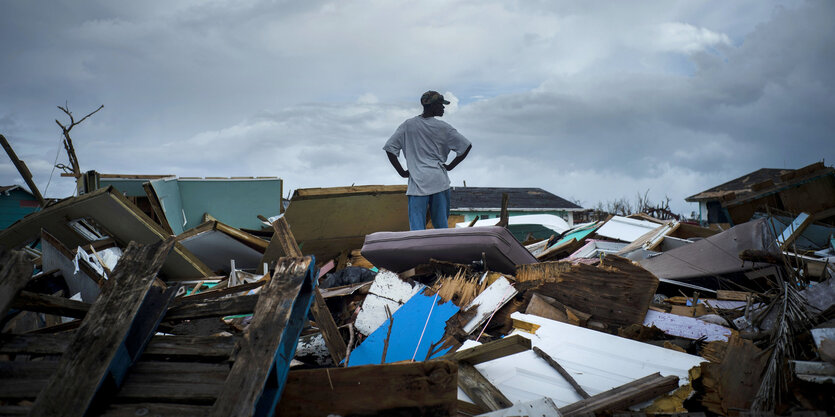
x,y
464,198
761,181
739,185
7,188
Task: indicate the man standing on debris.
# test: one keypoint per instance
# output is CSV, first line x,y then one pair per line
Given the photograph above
x,y
426,142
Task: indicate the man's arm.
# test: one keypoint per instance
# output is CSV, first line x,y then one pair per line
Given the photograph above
x,y
455,161
396,164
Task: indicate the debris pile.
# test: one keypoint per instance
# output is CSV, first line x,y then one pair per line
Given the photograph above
x,y
110,306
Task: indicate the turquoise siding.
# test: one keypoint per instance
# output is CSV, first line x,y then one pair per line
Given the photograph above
x,y
235,202
128,186
14,206
168,193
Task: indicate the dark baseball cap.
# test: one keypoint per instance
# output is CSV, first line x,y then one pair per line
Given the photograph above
x,y
430,97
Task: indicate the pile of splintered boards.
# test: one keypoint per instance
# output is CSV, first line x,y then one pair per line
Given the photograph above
x,y
333,308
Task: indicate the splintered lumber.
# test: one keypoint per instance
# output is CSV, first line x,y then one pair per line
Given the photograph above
x,y
418,388
616,291
283,236
794,230
479,389
111,336
740,374
181,347
241,304
23,170
15,271
491,350
50,304
324,321
283,243
540,307
554,364
621,397
263,356
733,295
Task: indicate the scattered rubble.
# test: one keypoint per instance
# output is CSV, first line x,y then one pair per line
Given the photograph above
x,y
330,307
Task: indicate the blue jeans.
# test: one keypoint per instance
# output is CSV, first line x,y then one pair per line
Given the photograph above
x,y
438,205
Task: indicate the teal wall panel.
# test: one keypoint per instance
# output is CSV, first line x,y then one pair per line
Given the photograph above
x,y
168,193
234,202
15,206
128,186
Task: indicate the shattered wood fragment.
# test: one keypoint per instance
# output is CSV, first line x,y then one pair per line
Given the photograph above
x,y
108,340
419,389
621,397
616,292
461,289
324,321
15,271
470,409
732,295
262,359
240,304
479,389
538,306
491,350
50,304
740,374
217,293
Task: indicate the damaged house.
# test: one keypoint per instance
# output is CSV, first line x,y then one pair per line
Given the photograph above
x,y
158,295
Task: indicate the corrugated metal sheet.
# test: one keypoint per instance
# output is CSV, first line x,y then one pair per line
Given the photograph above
x,y
596,360
625,229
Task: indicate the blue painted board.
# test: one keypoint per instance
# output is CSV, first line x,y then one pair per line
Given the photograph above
x,y
409,321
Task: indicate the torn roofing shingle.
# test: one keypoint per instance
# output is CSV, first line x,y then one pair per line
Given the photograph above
x,y
518,198
742,183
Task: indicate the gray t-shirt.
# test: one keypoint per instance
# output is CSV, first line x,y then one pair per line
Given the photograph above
x,y
426,143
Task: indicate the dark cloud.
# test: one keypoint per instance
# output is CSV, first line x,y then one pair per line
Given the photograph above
x,y
590,100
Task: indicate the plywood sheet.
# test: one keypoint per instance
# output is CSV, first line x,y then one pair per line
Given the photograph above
x,y
326,221
118,217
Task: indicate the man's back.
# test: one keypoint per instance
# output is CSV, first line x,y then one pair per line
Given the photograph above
x,y
426,143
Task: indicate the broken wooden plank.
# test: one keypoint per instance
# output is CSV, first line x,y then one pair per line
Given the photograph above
x,y
15,271
616,291
419,388
155,409
50,304
621,397
263,356
104,346
182,382
794,230
216,293
324,321
23,170
733,295
479,389
241,304
540,307
491,350
554,364
283,243
180,347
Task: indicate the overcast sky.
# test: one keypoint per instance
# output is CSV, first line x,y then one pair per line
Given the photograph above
x,y
590,100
